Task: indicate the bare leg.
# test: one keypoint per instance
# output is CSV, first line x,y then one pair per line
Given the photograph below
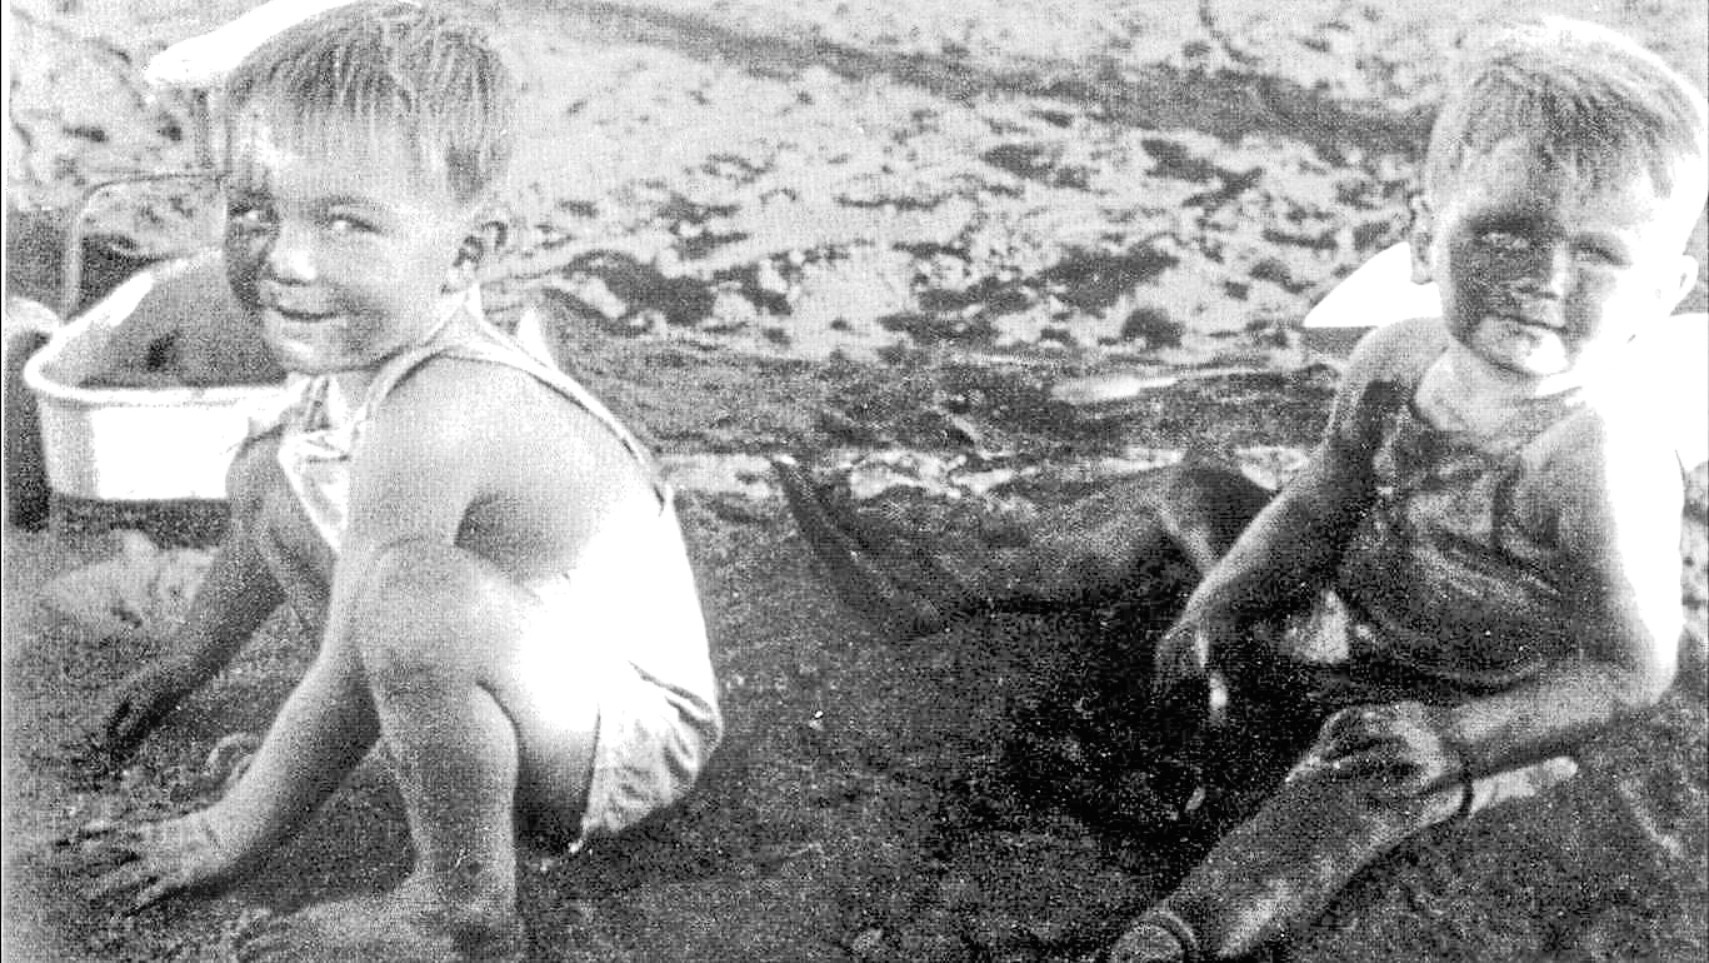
x,y
899,586
1119,540
1278,870
1111,545
440,634
1281,867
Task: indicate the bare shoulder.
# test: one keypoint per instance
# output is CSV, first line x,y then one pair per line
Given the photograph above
x,y
1396,350
445,402
520,435
1394,357
458,400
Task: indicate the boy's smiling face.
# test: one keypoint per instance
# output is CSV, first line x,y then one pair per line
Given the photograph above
x,y
1540,269
341,251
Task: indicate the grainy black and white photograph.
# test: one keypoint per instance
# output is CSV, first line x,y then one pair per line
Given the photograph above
x,y
884,481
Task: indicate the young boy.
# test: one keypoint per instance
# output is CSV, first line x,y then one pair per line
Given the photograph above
x,y
1481,558
495,570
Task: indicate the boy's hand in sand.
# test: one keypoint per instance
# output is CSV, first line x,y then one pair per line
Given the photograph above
x,y
1399,745
138,705
1184,659
156,860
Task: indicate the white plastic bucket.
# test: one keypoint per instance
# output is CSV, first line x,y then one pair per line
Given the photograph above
x,y
136,444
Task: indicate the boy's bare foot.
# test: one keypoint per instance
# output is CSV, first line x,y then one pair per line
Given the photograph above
x,y
1158,936
857,568
1148,943
398,927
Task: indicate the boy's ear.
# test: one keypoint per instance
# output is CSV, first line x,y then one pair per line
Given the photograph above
x,y
488,237
1419,237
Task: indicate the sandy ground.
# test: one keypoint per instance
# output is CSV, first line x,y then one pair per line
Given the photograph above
x,y
875,233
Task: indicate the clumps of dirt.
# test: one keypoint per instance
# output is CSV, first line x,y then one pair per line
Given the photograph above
x,y
1093,236
1179,184
142,588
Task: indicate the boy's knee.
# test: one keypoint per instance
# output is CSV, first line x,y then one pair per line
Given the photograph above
x,y
417,613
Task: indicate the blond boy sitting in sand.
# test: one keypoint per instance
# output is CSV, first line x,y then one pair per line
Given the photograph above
x,y
1481,557
503,598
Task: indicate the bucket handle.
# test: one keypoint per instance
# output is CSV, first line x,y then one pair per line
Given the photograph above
x,y
71,259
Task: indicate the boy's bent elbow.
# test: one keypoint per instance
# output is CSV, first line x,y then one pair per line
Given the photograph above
x,y
1646,684
1649,662
1633,686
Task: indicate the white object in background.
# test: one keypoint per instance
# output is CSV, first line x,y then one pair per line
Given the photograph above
x,y
1380,292
133,444
203,61
530,332
1666,369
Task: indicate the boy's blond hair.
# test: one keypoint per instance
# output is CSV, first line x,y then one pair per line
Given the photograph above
x,y
1587,99
372,71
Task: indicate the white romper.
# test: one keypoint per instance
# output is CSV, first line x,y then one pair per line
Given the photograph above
x,y
630,605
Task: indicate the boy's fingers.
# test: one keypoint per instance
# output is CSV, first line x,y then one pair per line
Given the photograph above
x,y
94,831
133,718
91,830
1357,720
1176,666
119,732
150,895
269,941
125,718
1184,657
1348,745
127,878
1352,767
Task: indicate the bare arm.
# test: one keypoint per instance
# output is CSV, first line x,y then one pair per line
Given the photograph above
x,y
1293,547
238,593
417,470
1620,517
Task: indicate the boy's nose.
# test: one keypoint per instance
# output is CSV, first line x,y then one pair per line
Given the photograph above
x,y
290,258
1548,272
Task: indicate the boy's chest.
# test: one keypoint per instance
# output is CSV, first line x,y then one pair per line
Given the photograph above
x,y
1467,493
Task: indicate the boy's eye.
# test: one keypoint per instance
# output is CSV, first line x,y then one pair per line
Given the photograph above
x,y
246,216
346,221
350,224
1600,254
1504,242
